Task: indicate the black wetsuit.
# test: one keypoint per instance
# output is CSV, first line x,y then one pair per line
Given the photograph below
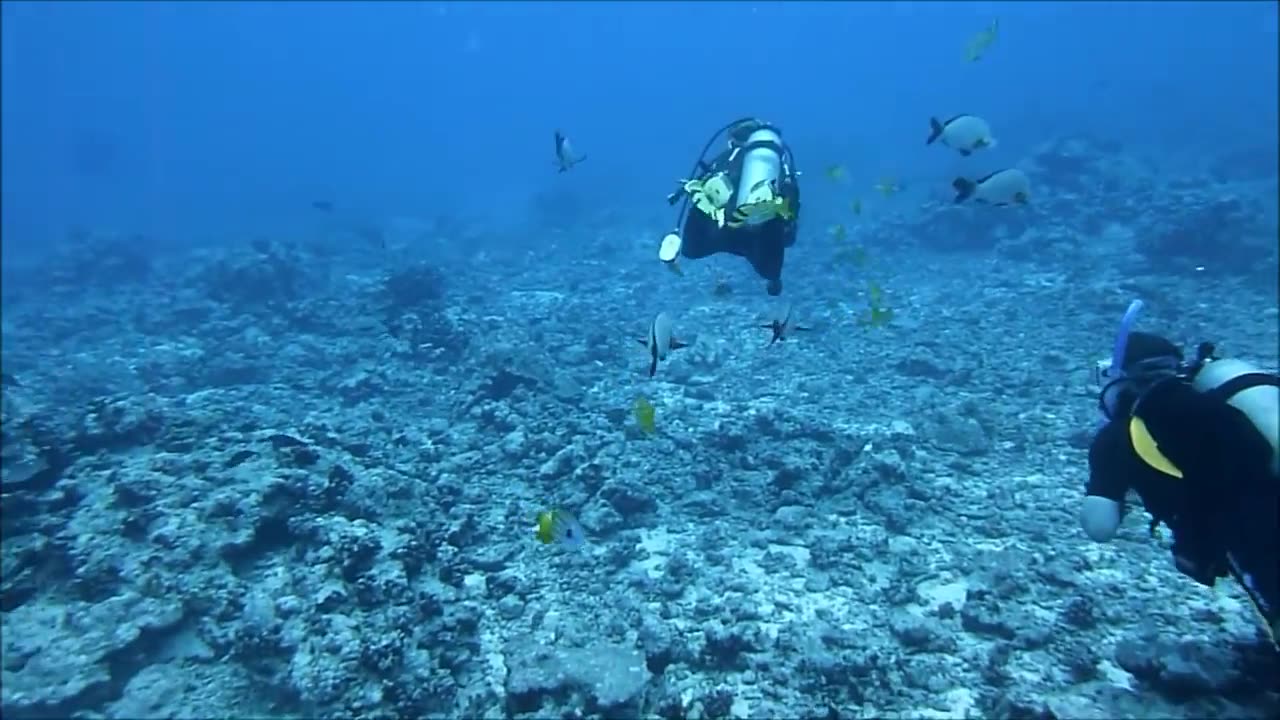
x,y
1227,502
763,245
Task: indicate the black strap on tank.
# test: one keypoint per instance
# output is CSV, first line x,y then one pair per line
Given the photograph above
x,y
1240,383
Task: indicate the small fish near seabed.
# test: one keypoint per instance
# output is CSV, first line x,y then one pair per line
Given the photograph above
x,y
646,415
1000,188
963,133
877,314
660,341
782,322
559,526
566,158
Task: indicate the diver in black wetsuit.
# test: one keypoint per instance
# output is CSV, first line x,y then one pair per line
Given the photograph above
x,y
746,202
1198,443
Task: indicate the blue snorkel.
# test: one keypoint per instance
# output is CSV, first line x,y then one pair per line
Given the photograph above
x,y
1110,376
1122,336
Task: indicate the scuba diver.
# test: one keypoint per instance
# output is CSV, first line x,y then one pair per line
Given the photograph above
x,y
1198,444
746,202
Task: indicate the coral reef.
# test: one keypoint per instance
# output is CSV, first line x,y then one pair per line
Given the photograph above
x,y
256,481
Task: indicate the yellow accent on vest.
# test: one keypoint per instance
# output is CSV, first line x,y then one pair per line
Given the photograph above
x,y
1148,450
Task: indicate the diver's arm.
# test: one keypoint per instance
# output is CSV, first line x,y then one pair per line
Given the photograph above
x,y
1100,517
1103,506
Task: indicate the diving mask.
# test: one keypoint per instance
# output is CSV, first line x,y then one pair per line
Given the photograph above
x,y
1116,385
1104,372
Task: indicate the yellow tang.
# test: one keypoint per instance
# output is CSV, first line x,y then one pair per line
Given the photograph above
x,y
876,316
645,415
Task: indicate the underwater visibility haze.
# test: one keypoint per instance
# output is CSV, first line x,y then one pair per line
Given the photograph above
x,y
639,360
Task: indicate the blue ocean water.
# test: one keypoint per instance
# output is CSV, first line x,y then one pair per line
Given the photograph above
x,y
302,329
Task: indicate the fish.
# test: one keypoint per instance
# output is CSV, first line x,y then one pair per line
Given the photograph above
x,y
782,323
322,205
856,206
877,314
565,157
1002,187
8,379
876,317
887,186
839,233
875,294
836,173
962,133
559,526
660,341
979,43
645,415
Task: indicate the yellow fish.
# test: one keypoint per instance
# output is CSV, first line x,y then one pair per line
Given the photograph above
x,y
558,526
874,294
979,43
887,186
877,314
644,413
836,173
876,317
856,206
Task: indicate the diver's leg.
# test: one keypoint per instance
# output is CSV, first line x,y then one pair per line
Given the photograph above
x,y
767,257
700,237
1253,557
